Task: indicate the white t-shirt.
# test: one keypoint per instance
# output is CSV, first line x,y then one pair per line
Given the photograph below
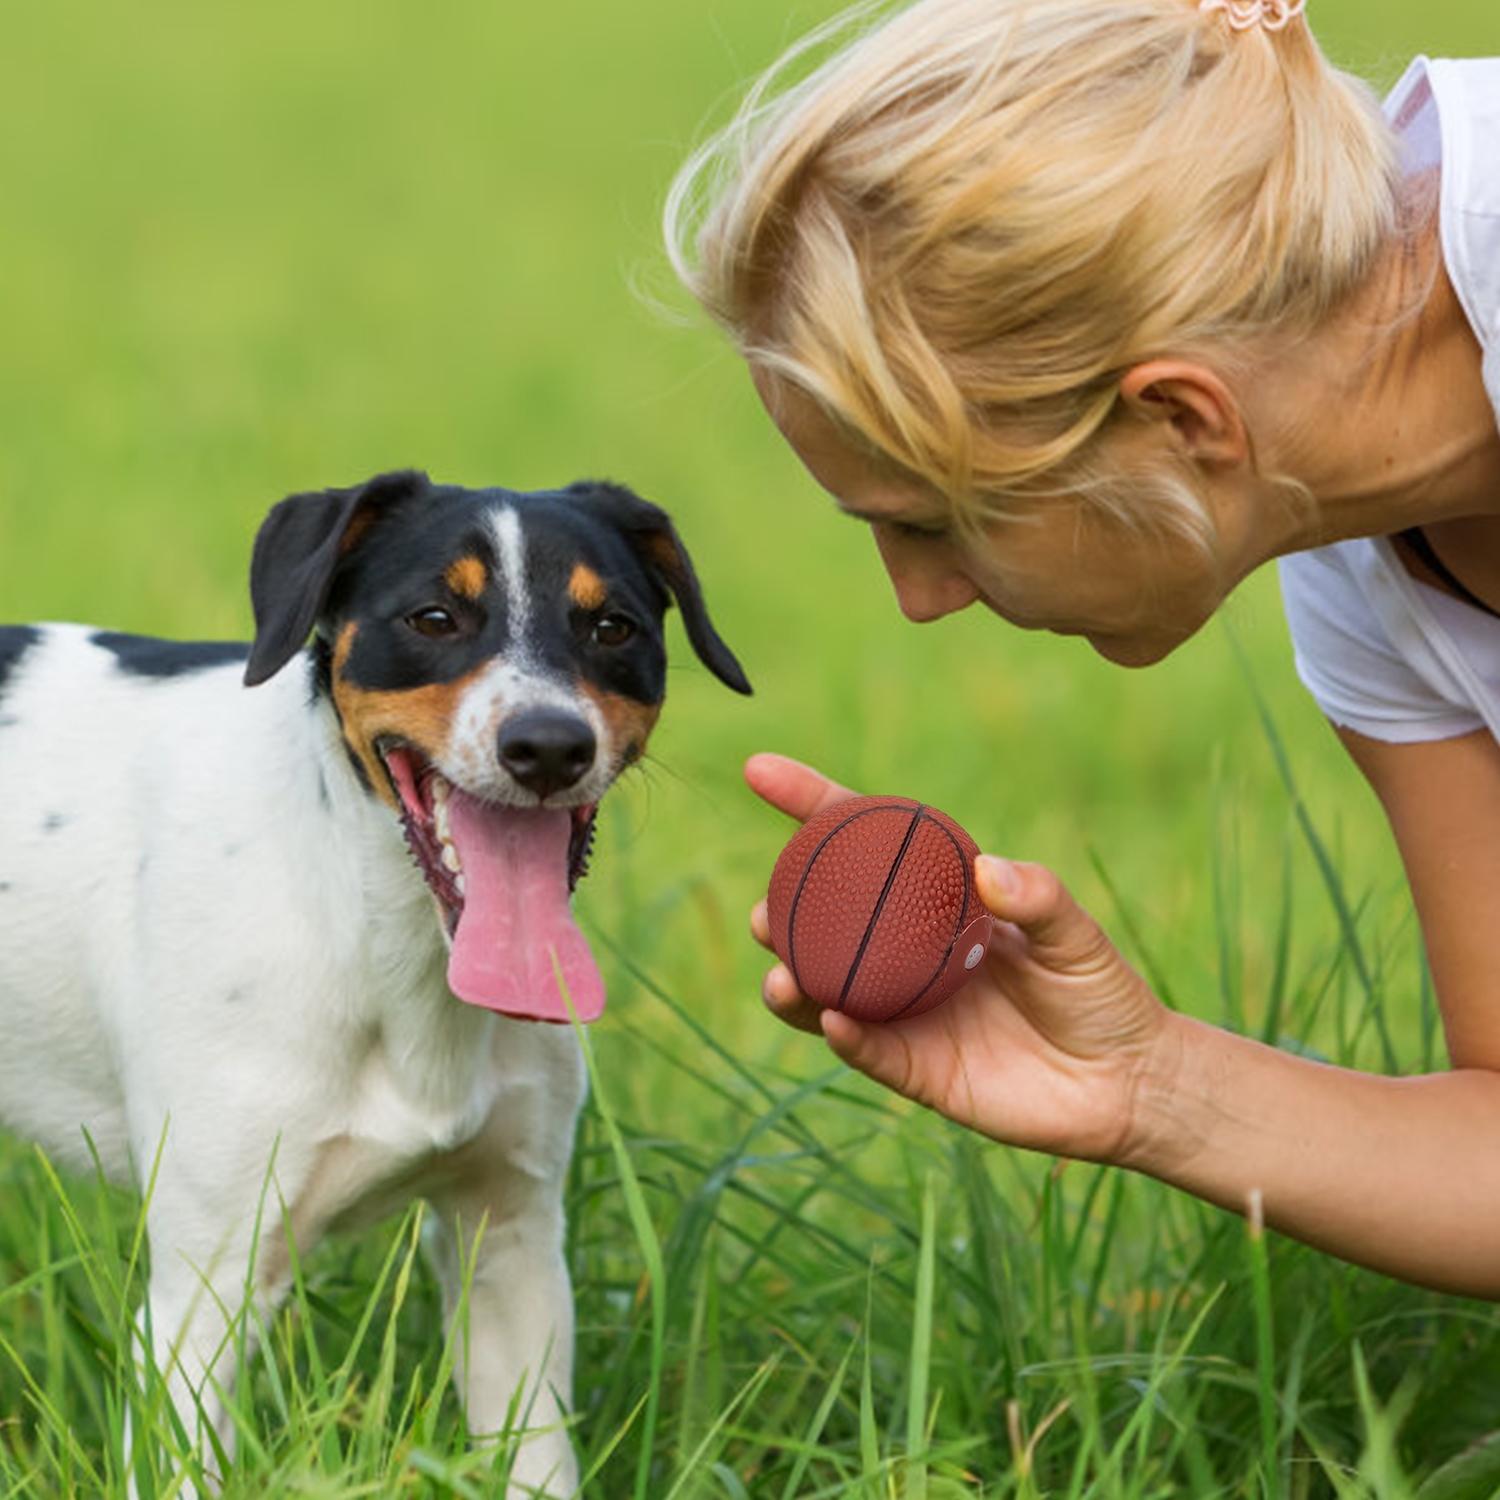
x,y
1382,653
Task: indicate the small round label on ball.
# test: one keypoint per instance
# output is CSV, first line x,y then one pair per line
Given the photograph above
x,y
975,954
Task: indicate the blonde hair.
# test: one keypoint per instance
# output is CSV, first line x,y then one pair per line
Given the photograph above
x,y
958,231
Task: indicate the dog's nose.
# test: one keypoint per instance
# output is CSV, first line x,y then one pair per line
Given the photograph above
x,y
546,749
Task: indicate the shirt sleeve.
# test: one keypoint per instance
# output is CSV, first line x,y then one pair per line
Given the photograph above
x,y
1346,660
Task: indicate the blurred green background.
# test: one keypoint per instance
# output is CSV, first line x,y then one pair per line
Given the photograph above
x,y
250,250
255,249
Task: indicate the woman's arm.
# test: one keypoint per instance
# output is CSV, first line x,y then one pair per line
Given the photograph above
x,y
1398,1174
1059,1045
1443,801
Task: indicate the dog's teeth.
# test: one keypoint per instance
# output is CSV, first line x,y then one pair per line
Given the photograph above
x,y
440,789
441,817
460,884
450,859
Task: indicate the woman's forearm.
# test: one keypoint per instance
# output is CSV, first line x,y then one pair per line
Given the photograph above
x,y
1399,1174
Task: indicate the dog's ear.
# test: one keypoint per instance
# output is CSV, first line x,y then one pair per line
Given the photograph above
x,y
298,547
650,532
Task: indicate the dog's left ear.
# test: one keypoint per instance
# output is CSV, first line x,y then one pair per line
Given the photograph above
x,y
298,547
650,532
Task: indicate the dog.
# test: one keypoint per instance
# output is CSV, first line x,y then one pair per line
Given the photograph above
x,y
278,920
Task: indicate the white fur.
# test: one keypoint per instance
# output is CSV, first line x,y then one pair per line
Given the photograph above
x,y
510,552
469,758
518,680
213,944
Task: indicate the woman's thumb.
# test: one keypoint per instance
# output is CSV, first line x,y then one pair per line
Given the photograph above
x,y
1032,898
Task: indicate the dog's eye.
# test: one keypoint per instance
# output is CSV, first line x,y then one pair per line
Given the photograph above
x,y
613,630
432,622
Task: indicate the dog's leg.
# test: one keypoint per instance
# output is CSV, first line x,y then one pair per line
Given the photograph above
x,y
514,1366
514,1360
188,1319
199,1324
219,1269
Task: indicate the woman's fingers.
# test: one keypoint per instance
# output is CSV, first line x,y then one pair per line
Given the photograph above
x,y
881,1052
760,924
796,789
1033,899
779,990
800,792
787,1003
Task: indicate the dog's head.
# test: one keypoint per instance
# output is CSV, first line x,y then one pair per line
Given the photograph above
x,y
495,660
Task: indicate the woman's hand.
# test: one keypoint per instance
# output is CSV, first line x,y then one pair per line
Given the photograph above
x,y
1049,1046
1058,1044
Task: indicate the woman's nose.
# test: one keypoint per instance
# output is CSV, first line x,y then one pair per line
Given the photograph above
x,y
928,582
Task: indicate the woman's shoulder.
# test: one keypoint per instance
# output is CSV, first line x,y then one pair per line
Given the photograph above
x,y
1446,115
1371,655
1466,93
1332,598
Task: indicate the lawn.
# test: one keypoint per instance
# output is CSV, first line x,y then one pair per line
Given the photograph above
x,y
262,249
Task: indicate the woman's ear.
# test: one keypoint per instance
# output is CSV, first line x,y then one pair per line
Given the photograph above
x,y
1203,413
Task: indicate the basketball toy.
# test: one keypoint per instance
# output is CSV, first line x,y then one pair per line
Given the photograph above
x,y
873,908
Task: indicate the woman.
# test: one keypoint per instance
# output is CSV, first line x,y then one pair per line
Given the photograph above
x,y
1089,308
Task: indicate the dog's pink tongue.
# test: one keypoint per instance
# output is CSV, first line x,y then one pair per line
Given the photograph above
x,y
516,915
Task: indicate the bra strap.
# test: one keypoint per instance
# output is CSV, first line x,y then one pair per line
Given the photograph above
x,y
1416,539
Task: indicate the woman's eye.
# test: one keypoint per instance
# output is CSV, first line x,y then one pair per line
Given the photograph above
x,y
613,630
433,623
913,532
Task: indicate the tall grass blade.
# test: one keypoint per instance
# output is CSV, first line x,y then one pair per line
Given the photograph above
x,y
1156,972
1332,882
1273,1482
1473,1474
745,1396
869,1431
650,1248
814,1429
921,1351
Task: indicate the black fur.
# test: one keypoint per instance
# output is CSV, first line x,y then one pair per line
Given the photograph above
x,y
296,552
652,536
146,656
15,642
304,573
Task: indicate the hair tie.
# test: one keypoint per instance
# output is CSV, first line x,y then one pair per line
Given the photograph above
x,y
1269,15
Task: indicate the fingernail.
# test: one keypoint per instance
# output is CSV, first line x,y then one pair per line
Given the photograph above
x,y
836,1026
777,979
1001,873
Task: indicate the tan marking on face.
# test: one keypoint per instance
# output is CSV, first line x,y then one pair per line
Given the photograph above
x,y
628,721
586,587
467,577
421,716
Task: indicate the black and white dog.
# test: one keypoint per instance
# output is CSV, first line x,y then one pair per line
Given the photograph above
x,y
218,872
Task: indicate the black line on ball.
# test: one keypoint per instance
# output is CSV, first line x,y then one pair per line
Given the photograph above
x,y
885,890
791,916
959,925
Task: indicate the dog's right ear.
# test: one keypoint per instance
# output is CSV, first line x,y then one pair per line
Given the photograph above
x,y
298,547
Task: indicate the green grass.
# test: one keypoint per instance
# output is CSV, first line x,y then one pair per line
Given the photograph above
x,y
259,250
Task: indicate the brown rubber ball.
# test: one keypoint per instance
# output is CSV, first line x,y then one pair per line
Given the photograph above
x,y
873,908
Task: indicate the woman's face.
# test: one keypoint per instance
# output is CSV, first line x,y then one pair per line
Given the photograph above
x,y
1133,594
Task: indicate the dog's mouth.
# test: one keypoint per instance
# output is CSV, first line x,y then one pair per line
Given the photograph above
x,y
501,877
